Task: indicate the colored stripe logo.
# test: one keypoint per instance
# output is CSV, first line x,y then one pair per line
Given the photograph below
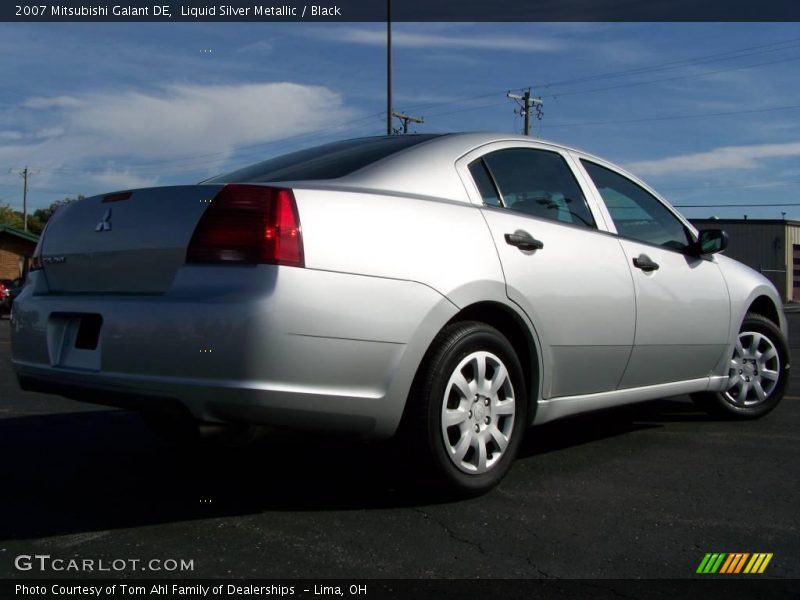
x,y
728,563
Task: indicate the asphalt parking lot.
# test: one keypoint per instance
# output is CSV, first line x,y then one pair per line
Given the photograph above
x,y
640,492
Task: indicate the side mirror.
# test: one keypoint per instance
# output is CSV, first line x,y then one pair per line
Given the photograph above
x,y
711,241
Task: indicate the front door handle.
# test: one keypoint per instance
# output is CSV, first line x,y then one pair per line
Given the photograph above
x,y
645,263
523,240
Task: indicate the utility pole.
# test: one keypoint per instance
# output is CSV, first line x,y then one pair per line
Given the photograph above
x,y
406,119
24,174
526,103
389,67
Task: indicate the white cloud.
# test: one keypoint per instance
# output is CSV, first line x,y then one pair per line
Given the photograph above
x,y
195,119
123,179
403,39
52,102
9,136
259,47
49,132
724,158
175,122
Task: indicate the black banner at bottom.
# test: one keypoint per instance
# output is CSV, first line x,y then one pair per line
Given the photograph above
x,y
374,589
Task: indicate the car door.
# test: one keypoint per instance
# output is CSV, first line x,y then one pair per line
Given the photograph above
x,y
570,278
682,301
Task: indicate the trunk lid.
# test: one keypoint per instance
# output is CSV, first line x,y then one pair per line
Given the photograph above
x,y
128,242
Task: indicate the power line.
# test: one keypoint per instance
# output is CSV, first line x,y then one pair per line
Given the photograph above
x,y
677,77
526,106
34,189
718,57
182,161
555,96
405,120
24,173
468,108
631,84
675,117
50,192
615,74
730,186
419,107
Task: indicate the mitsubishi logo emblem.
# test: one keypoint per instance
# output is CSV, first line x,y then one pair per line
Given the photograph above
x,y
105,224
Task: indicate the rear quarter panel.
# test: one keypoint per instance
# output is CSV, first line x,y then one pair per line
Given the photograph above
x,y
443,244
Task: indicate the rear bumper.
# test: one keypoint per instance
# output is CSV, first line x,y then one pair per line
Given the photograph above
x,y
236,404
275,345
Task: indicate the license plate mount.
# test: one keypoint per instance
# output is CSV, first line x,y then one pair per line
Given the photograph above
x,y
73,340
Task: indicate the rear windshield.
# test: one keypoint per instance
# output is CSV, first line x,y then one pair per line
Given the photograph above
x,y
323,162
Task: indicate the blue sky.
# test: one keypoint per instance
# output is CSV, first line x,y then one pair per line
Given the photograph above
x,y
707,113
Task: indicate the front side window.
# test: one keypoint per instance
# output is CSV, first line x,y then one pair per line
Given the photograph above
x,y
535,182
637,214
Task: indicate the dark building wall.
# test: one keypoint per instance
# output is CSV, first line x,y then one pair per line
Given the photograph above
x,y
761,245
11,249
9,265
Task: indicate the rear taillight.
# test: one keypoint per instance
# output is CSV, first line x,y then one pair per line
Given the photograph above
x,y
249,224
36,260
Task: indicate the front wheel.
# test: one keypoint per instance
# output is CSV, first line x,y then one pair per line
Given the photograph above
x,y
758,372
468,409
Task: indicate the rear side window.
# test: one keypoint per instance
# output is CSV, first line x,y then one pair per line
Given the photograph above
x,y
538,183
484,182
329,161
637,214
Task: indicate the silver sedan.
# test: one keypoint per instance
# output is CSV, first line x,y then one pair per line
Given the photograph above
x,y
451,289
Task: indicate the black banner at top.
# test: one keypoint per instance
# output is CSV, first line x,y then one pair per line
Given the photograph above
x,y
402,10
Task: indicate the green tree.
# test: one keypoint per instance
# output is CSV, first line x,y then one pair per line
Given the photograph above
x,y
36,220
43,214
9,216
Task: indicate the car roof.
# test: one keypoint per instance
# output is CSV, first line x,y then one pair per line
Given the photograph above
x,y
422,169
426,169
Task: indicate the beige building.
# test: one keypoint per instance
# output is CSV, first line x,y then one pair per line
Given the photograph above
x,y
770,246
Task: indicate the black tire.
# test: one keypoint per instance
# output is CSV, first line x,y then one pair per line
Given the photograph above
x,y
422,423
725,404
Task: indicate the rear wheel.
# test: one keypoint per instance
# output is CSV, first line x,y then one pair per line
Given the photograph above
x,y
758,372
467,412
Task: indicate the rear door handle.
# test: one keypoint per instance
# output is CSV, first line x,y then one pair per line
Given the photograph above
x,y
645,263
523,240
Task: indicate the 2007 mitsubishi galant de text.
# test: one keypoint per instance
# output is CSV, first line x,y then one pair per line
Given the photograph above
x,y
453,289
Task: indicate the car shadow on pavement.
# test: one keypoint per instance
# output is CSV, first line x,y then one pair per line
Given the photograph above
x,y
97,470
602,424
